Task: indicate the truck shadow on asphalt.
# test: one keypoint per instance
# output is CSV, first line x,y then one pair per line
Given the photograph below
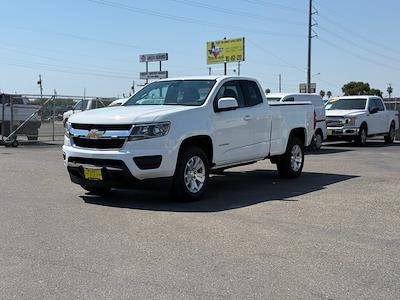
x,y
229,191
370,144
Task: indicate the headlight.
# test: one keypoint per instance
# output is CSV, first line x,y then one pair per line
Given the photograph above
x,y
148,131
349,121
67,129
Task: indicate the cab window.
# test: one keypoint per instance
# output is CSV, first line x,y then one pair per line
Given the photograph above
x,y
231,89
379,104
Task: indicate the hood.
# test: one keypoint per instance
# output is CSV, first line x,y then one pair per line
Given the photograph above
x,y
344,112
128,114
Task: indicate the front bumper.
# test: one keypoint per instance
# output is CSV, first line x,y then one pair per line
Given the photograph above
x,y
133,166
338,132
115,174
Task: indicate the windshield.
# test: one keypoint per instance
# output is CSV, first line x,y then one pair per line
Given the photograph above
x,y
174,92
274,98
81,105
346,104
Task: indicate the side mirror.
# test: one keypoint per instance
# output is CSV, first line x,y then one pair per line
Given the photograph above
x,y
373,110
227,103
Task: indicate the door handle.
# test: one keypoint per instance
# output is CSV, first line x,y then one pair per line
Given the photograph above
x,y
247,118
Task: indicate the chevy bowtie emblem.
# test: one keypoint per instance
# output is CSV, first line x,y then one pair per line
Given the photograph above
x,y
95,134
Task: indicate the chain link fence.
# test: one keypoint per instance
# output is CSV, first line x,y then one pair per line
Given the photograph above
x,y
40,118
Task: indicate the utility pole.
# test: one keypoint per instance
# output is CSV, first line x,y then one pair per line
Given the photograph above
x,y
280,83
133,87
310,37
41,87
225,63
209,70
238,68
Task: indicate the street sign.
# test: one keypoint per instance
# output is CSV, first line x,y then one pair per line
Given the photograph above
x,y
154,75
153,57
303,88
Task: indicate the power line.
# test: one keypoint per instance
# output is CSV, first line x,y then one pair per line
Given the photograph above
x,y
357,55
275,5
381,55
232,12
67,61
186,19
52,68
348,30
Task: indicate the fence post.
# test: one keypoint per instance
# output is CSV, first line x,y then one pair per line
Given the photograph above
x,y
3,101
11,116
54,114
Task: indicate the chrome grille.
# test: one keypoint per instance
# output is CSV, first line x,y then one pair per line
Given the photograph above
x,y
334,122
99,136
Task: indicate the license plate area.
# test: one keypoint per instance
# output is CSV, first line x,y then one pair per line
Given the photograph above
x,y
93,173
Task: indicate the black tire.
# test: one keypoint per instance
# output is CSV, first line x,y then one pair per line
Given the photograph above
x,y
285,166
316,143
15,144
389,138
361,139
99,191
180,190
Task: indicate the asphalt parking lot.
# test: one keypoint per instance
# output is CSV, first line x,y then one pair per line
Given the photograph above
x,y
333,233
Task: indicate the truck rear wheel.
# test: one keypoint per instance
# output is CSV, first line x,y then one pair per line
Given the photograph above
x,y
389,138
292,162
191,175
317,141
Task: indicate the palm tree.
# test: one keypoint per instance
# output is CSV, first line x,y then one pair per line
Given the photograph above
x,y
390,90
322,93
329,94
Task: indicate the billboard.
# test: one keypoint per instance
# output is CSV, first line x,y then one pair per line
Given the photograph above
x,y
231,50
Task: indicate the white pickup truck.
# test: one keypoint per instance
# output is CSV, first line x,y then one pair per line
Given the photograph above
x,y
178,131
359,117
22,110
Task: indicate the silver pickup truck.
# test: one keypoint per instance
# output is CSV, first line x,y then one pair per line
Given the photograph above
x,y
359,117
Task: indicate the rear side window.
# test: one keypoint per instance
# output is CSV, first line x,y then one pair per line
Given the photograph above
x,y
379,104
252,94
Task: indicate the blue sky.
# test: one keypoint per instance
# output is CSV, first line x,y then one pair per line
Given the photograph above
x,y
95,44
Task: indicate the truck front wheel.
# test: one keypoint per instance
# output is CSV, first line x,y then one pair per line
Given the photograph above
x,y
191,175
361,139
292,162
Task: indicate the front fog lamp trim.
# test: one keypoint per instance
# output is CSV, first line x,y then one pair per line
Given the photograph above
x,y
149,131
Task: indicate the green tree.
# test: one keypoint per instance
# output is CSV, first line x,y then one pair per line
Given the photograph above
x,y
376,92
390,90
356,88
329,94
322,93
